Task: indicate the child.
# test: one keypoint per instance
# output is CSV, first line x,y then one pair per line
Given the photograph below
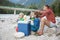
x,y
32,18
36,22
21,15
20,18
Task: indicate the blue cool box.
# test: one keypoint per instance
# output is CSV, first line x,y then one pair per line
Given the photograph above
x,y
24,26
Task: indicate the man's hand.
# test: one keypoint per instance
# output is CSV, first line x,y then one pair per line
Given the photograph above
x,y
38,11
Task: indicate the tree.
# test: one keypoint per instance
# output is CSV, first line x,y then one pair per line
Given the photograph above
x,y
56,7
10,4
33,6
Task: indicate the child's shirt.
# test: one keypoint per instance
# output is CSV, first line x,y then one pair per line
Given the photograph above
x,y
36,22
36,25
32,19
21,19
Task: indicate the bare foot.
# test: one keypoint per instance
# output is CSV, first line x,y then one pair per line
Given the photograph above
x,y
40,32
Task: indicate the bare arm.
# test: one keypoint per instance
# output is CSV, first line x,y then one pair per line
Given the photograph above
x,y
44,13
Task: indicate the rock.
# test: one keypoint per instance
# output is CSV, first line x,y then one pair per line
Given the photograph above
x,y
50,31
19,34
58,31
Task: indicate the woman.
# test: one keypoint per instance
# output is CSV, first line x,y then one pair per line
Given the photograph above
x,y
47,18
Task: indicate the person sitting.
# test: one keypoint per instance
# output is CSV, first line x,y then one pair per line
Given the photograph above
x,y
47,18
32,16
36,22
21,16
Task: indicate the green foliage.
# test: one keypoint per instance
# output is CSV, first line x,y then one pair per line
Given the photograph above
x,y
9,4
33,6
56,7
5,11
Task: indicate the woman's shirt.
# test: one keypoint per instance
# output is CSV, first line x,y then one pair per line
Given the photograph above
x,y
49,15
